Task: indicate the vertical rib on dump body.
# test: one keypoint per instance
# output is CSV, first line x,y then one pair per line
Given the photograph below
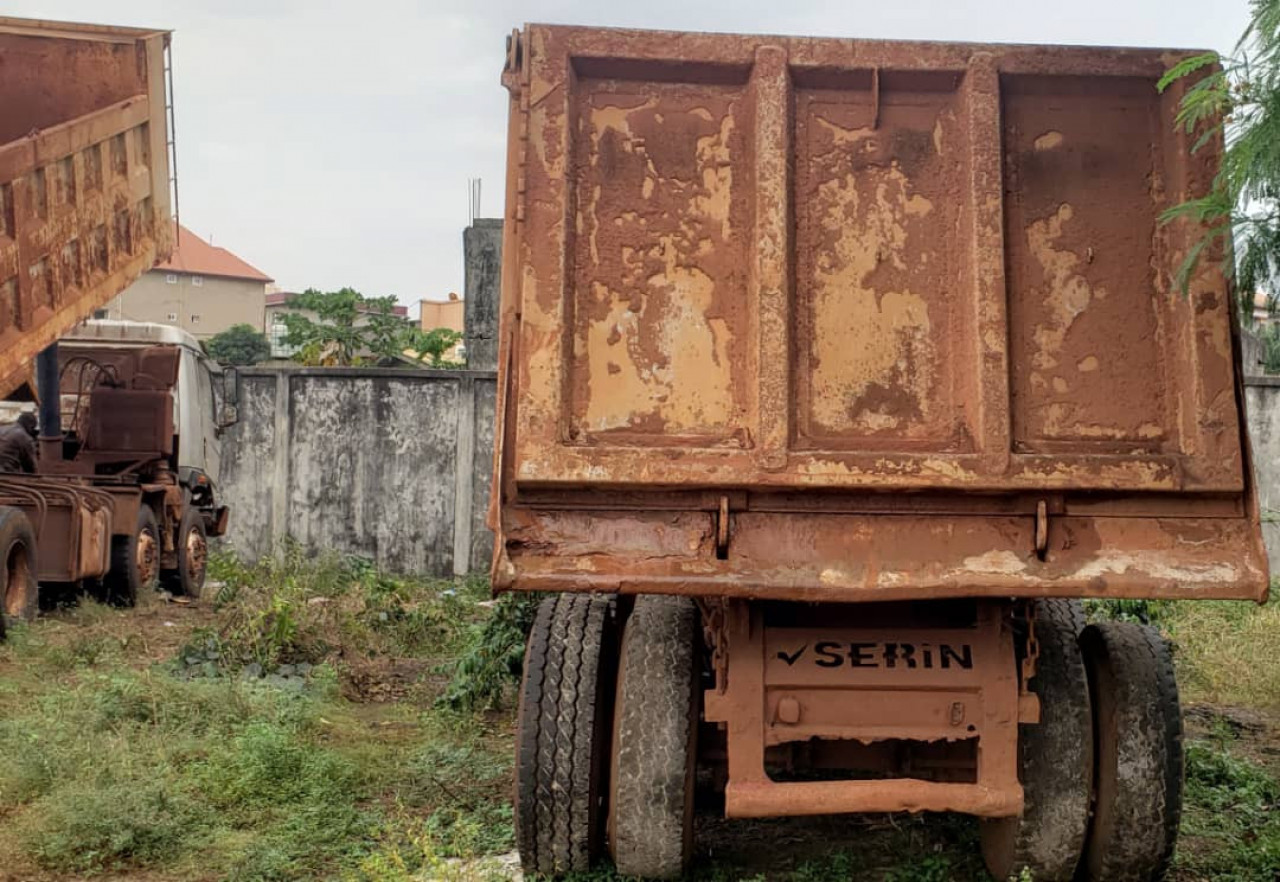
x,y
84,176
857,320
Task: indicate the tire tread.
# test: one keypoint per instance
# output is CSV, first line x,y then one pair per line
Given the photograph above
x,y
1134,662
656,726
558,747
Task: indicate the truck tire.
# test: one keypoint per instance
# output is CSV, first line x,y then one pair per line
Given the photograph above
x,y
655,732
1055,758
562,734
1138,731
135,561
193,555
1070,611
19,592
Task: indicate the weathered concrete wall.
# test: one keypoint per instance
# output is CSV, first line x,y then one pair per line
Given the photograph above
x,y
1262,411
388,464
482,255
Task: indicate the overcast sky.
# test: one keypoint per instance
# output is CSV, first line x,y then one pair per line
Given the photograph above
x,y
330,143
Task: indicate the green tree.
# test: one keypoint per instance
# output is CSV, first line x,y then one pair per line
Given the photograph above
x,y
348,329
239,344
432,346
1236,100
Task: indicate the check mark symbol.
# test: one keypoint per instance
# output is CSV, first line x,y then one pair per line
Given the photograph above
x,y
791,659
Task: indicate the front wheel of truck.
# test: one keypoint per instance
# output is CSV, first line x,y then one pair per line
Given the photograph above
x,y
193,555
135,561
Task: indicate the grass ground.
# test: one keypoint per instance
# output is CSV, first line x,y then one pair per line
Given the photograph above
x,y
317,720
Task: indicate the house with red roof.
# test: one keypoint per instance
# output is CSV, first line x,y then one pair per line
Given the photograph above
x,y
202,289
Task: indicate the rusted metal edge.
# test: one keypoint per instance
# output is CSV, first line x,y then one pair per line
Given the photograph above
x,y
737,50
755,585
765,800
14,373
856,558
40,148
70,30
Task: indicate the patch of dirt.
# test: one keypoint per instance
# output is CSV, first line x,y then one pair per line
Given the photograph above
x,y
1256,733
151,632
381,679
775,848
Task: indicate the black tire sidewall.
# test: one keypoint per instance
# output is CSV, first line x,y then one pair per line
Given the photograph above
x,y
124,582
191,585
655,739
561,737
1055,760
1139,727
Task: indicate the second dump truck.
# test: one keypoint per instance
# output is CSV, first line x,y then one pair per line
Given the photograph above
x,y
834,374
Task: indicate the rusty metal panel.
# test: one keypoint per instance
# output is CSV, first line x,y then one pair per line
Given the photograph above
x,y
84,176
833,557
72,523
839,683
759,270
879,157
838,264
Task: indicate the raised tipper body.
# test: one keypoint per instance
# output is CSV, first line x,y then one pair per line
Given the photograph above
x,y
84,176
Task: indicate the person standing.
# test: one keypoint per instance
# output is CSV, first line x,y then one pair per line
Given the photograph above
x,y
18,445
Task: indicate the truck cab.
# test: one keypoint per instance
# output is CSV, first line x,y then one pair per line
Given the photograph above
x,y
201,412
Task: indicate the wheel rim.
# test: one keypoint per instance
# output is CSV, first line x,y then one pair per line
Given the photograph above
x,y
148,558
18,568
197,552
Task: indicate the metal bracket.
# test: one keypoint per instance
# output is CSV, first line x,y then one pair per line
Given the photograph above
x,y
722,529
1042,529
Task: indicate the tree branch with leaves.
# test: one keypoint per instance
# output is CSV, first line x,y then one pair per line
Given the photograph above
x,y
348,328
1236,99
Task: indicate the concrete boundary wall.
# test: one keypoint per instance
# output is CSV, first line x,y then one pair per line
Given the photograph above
x,y
1262,412
392,465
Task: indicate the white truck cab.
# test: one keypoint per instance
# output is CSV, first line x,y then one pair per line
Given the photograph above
x,y
201,411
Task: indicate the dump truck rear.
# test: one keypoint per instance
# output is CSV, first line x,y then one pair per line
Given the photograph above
x,y
85,209
834,374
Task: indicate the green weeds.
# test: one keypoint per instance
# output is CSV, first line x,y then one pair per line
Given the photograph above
x,y
1231,823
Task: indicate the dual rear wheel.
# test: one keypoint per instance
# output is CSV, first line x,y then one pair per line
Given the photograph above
x,y
608,721
136,559
1102,770
606,743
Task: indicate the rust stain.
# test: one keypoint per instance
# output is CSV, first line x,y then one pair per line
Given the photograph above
x,y
657,329
876,273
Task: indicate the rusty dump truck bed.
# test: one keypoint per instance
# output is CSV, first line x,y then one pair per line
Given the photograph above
x,y
855,320
84,176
